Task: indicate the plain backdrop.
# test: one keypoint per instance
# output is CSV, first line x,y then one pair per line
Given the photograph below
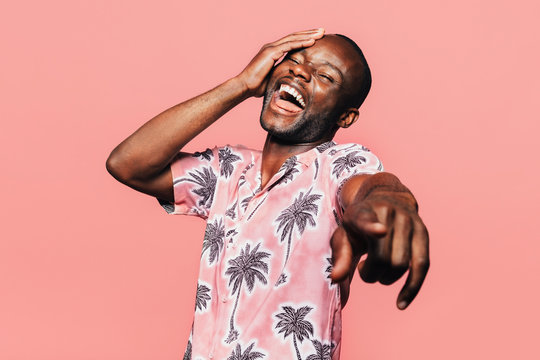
x,y
90,269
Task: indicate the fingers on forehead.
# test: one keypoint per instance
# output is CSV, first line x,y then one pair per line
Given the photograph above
x,y
298,36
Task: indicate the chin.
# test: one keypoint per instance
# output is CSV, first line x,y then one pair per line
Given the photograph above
x,y
304,128
297,135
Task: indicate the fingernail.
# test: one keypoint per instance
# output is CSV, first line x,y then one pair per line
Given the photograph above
x,y
402,305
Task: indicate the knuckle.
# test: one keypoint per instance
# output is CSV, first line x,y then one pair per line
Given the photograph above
x,y
420,225
400,264
421,231
404,221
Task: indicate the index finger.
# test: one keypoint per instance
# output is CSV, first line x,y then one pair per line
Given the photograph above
x,y
418,268
300,35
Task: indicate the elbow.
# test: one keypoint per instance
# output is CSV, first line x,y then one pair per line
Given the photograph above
x,y
116,167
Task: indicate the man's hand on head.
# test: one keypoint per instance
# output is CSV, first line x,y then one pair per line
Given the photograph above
x,y
255,75
381,220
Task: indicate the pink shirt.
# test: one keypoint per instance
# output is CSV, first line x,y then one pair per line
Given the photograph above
x,y
264,289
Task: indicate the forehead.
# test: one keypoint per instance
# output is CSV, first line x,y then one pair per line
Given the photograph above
x,y
335,51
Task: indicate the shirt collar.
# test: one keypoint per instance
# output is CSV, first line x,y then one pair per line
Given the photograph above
x,y
306,158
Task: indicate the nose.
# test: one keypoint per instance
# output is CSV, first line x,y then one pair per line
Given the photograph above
x,y
300,70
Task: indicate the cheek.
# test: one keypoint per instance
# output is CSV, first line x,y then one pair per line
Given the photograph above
x,y
325,102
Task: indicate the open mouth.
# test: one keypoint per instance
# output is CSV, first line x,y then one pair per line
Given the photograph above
x,y
288,98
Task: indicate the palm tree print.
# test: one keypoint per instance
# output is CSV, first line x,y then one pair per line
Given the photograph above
x,y
207,154
187,354
281,280
299,214
291,321
226,158
249,266
336,217
206,179
258,206
213,239
328,269
244,203
202,297
347,162
231,211
242,178
290,169
325,146
322,351
247,355
231,233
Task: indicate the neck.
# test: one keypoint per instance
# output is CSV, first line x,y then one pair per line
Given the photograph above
x,y
275,152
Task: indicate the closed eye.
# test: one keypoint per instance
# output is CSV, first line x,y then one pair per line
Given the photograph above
x,y
327,77
294,61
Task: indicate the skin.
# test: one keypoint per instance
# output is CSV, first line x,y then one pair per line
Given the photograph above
x,y
380,214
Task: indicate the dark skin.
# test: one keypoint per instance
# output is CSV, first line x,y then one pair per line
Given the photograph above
x,y
380,214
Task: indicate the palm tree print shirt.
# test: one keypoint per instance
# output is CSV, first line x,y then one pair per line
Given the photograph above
x,y
264,290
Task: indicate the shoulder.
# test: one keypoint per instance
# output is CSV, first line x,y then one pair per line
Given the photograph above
x,y
349,159
234,159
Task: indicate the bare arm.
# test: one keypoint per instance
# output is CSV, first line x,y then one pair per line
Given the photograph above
x,y
142,160
381,220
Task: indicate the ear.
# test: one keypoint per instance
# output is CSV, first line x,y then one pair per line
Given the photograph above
x,y
348,118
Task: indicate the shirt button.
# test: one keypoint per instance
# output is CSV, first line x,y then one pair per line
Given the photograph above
x,y
223,299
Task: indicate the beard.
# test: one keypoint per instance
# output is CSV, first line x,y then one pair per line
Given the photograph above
x,y
309,127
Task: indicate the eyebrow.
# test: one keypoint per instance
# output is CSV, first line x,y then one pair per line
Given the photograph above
x,y
301,52
333,67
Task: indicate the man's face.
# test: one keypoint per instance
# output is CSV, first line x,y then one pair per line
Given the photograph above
x,y
309,90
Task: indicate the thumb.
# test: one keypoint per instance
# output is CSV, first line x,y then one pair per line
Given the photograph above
x,y
342,255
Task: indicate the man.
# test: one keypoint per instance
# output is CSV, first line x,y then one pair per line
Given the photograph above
x,y
285,227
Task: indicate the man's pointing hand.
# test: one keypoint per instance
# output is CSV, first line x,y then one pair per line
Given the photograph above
x,y
381,220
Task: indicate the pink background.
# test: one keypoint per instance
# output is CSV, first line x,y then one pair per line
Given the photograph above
x,y
89,269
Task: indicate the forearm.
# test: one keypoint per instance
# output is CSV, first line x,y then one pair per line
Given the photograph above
x,y
151,148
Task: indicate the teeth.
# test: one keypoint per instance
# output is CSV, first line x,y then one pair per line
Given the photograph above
x,y
294,93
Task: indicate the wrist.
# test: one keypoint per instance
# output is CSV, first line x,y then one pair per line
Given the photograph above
x,y
243,89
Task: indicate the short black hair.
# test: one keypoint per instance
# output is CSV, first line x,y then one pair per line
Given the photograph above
x,y
365,83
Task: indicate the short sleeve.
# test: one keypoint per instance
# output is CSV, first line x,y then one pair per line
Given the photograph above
x,y
194,183
350,160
